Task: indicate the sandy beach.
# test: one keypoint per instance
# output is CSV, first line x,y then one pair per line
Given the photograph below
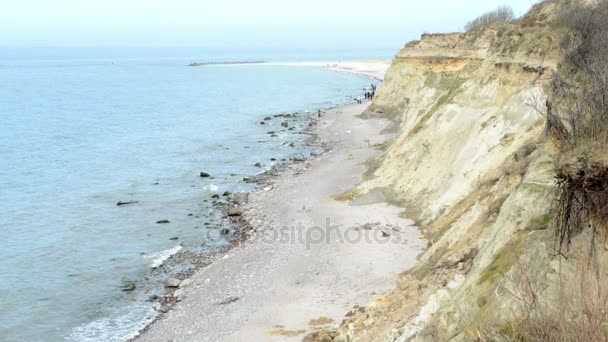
x,y
370,68
311,258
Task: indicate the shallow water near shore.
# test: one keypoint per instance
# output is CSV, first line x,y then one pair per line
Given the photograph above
x,y
81,134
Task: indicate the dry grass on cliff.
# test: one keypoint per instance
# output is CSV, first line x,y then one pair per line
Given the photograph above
x,y
577,119
578,311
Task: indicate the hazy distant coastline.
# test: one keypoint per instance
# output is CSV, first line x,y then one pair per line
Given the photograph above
x,y
225,63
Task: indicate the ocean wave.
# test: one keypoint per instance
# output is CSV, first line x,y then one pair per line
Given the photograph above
x,y
160,257
211,187
119,327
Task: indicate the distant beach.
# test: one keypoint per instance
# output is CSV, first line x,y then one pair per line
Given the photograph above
x,y
225,63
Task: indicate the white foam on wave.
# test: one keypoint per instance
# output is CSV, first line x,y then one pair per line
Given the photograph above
x,y
210,187
115,327
160,257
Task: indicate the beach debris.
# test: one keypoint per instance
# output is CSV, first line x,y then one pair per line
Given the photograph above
x,y
172,282
163,221
128,286
205,175
287,333
320,321
235,212
228,300
121,203
268,188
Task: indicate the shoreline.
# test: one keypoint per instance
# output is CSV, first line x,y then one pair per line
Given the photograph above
x,y
331,132
375,69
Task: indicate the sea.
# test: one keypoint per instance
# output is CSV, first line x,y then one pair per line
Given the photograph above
x,y
83,129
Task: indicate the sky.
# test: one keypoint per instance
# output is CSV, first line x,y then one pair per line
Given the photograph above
x,y
345,24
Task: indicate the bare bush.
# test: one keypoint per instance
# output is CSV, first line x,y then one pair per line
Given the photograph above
x,y
503,14
577,117
578,312
580,87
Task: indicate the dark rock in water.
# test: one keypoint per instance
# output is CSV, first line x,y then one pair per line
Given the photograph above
x,y
128,286
163,221
225,231
267,118
205,175
271,132
153,298
228,300
216,196
164,308
227,193
121,203
172,282
174,238
257,165
262,123
235,212
285,124
273,159
247,180
298,159
290,129
191,214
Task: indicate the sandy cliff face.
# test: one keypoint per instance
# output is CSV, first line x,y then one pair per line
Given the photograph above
x,y
473,167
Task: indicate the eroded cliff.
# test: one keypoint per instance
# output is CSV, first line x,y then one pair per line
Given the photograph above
x,y
472,164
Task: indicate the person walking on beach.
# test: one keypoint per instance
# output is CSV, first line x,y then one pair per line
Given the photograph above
x,y
319,113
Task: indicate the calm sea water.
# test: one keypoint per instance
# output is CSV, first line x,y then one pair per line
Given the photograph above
x,y
83,129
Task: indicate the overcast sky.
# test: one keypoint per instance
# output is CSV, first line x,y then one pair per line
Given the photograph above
x,y
235,23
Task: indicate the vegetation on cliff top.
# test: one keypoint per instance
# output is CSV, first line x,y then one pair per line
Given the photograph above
x,y
503,14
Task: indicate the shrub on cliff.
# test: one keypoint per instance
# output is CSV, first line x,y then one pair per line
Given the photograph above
x,y
577,119
503,14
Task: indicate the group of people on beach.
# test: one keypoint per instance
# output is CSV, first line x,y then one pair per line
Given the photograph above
x,y
369,95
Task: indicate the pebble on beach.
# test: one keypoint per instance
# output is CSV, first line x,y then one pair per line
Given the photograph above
x,y
172,282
